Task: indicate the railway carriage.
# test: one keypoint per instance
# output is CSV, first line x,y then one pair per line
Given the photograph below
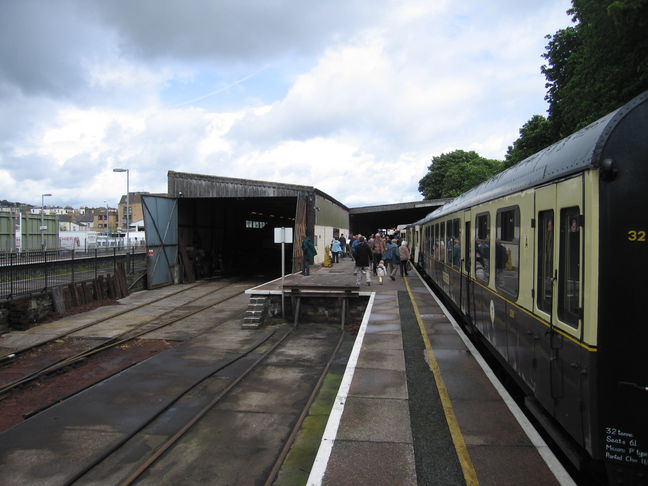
x,y
548,264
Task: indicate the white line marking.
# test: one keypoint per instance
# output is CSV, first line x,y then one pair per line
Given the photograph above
x,y
269,292
330,433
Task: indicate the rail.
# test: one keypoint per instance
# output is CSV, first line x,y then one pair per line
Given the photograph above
x,y
28,272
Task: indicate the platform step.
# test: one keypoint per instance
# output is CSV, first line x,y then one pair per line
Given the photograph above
x,y
250,325
256,312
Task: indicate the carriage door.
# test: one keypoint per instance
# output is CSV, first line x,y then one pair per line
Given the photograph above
x,y
161,226
558,293
558,255
466,268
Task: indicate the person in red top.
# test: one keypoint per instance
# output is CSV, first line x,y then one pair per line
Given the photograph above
x,y
377,247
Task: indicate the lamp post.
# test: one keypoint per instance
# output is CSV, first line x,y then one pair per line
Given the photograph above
x,y
106,225
127,204
42,226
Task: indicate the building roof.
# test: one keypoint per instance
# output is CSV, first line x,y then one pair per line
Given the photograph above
x,y
431,203
182,184
136,197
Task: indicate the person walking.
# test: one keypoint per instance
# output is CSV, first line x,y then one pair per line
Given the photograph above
x,y
382,271
405,255
393,258
378,247
362,261
354,245
336,249
309,254
343,245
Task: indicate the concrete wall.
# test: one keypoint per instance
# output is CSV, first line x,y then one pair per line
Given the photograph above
x,y
319,310
27,311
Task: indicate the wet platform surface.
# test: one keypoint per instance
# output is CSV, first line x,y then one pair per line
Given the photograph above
x,y
389,425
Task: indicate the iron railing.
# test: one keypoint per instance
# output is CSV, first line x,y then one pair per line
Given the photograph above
x,y
29,272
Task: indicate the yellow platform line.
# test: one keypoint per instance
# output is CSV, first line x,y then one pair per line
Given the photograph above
x,y
470,476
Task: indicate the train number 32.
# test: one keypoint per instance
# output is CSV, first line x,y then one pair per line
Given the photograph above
x,y
636,235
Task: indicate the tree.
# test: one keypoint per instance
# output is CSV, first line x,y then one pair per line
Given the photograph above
x,y
598,65
456,172
535,135
592,68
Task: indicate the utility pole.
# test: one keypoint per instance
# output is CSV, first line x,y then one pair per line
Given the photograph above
x,y
127,203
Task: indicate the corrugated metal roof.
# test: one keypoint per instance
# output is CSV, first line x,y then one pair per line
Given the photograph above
x,y
399,206
199,185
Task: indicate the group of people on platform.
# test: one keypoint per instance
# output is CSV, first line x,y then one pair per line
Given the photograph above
x,y
379,255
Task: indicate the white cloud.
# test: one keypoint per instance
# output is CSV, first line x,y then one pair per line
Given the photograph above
x,y
368,94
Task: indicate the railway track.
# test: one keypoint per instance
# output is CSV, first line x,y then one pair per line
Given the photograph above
x,y
38,376
223,408
9,357
153,467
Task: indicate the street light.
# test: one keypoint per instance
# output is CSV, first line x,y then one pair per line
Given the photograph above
x,y
127,203
42,226
106,225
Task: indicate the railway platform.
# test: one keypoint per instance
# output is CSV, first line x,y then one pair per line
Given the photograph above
x,y
417,404
412,404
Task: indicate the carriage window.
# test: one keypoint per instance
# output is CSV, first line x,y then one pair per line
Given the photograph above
x,y
467,242
545,259
442,244
448,242
435,251
454,243
482,248
507,251
569,267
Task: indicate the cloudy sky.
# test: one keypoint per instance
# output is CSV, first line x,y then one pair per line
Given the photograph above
x,y
353,97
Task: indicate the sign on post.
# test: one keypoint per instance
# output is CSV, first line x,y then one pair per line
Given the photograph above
x,y
283,236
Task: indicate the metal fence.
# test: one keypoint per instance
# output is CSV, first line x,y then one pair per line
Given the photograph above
x,y
36,271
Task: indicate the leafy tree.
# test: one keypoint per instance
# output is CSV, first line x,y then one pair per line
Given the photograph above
x,y
592,68
599,64
456,172
535,135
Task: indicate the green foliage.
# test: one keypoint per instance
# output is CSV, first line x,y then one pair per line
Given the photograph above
x,y
592,68
604,60
535,135
456,172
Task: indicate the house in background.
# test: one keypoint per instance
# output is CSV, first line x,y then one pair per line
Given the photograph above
x,y
104,220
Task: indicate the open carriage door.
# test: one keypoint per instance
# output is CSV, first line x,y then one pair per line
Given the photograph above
x,y
161,226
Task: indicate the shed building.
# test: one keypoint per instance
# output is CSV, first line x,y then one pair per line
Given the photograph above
x,y
365,220
225,226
